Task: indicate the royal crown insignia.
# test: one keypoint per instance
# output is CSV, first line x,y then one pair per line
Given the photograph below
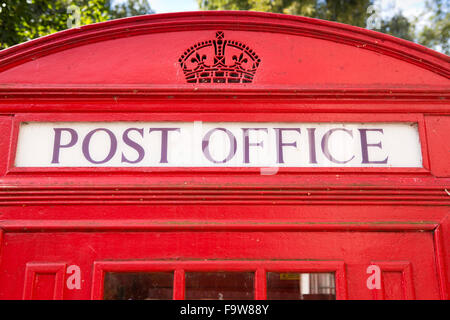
x,y
230,62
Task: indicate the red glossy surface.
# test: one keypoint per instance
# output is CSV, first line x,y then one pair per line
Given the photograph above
x,y
209,219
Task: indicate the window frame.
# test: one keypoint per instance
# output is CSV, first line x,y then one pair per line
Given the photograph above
x,y
260,267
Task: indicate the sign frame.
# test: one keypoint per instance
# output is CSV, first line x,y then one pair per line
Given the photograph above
x,y
225,117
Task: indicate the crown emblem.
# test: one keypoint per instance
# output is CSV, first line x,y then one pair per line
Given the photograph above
x,y
219,61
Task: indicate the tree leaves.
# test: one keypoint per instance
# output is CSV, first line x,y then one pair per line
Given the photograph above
x,y
23,20
354,12
437,33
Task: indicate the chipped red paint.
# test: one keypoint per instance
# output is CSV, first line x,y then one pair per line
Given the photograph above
x,y
304,219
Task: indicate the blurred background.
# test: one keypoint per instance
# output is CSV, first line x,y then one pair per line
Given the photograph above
x,y
426,22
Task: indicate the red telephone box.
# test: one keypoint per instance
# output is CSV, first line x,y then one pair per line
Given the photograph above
x,y
224,155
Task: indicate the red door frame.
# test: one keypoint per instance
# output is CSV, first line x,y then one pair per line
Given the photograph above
x,y
260,266
180,267
391,199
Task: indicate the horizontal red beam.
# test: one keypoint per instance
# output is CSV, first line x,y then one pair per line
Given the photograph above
x,y
212,225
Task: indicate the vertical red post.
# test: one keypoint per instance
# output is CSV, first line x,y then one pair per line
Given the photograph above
x,y
179,285
260,284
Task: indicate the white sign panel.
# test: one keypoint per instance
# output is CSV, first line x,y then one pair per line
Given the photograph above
x,y
217,144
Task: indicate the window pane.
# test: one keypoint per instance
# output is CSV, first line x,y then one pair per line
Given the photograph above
x,y
300,286
138,286
219,285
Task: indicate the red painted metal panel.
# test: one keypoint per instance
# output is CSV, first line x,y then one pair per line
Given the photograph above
x,y
234,218
443,256
438,131
392,285
260,284
130,251
44,281
6,123
178,285
328,53
223,215
396,281
1,245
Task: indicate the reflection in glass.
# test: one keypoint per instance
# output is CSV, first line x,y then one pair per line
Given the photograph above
x,y
138,286
219,285
300,286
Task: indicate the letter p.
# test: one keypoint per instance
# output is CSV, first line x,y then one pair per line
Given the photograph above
x,y
57,142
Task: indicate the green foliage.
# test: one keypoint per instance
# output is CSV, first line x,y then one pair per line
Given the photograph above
x,y
353,12
22,20
399,26
224,4
129,8
345,11
437,33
